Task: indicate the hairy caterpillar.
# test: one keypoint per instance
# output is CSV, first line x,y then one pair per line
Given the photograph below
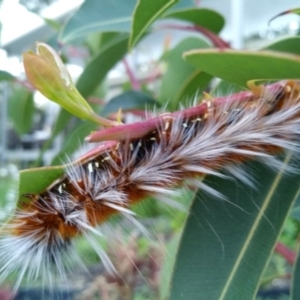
x,y
159,156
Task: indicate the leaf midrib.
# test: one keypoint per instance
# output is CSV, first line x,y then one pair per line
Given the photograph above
x,y
254,227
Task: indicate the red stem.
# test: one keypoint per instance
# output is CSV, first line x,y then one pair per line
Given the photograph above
x,y
216,40
139,129
96,100
134,82
285,252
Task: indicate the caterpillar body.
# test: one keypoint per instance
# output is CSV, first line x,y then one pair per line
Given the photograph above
x,y
160,155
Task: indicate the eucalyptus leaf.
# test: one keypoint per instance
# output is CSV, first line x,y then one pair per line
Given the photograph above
x,y
36,180
61,121
295,290
145,13
97,40
73,141
181,5
168,266
100,65
199,16
99,16
238,67
295,213
226,244
6,76
53,24
224,88
130,100
182,81
192,88
288,45
21,110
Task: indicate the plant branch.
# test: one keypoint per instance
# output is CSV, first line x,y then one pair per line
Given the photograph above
x,y
216,40
133,80
285,252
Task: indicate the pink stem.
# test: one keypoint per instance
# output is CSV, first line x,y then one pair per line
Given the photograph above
x,y
153,76
139,129
96,100
285,252
134,82
216,40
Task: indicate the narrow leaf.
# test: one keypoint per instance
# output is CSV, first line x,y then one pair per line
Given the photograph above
x,y
98,67
130,100
203,17
226,244
21,110
37,180
99,16
240,66
181,5
145,13
73,141
181,80
6,76
225,88
295,290
288,45
168,266
192,87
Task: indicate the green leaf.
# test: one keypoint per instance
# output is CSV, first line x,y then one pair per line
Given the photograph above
x,y
182,81
99,16
225,88
35,181
203,17
96,41
73,141
130,100
21,110
226,244
240,66
192,86
289,45
168,266
60,124
295,290
98,67
53,24
145,13
6,76
295,213
181,5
